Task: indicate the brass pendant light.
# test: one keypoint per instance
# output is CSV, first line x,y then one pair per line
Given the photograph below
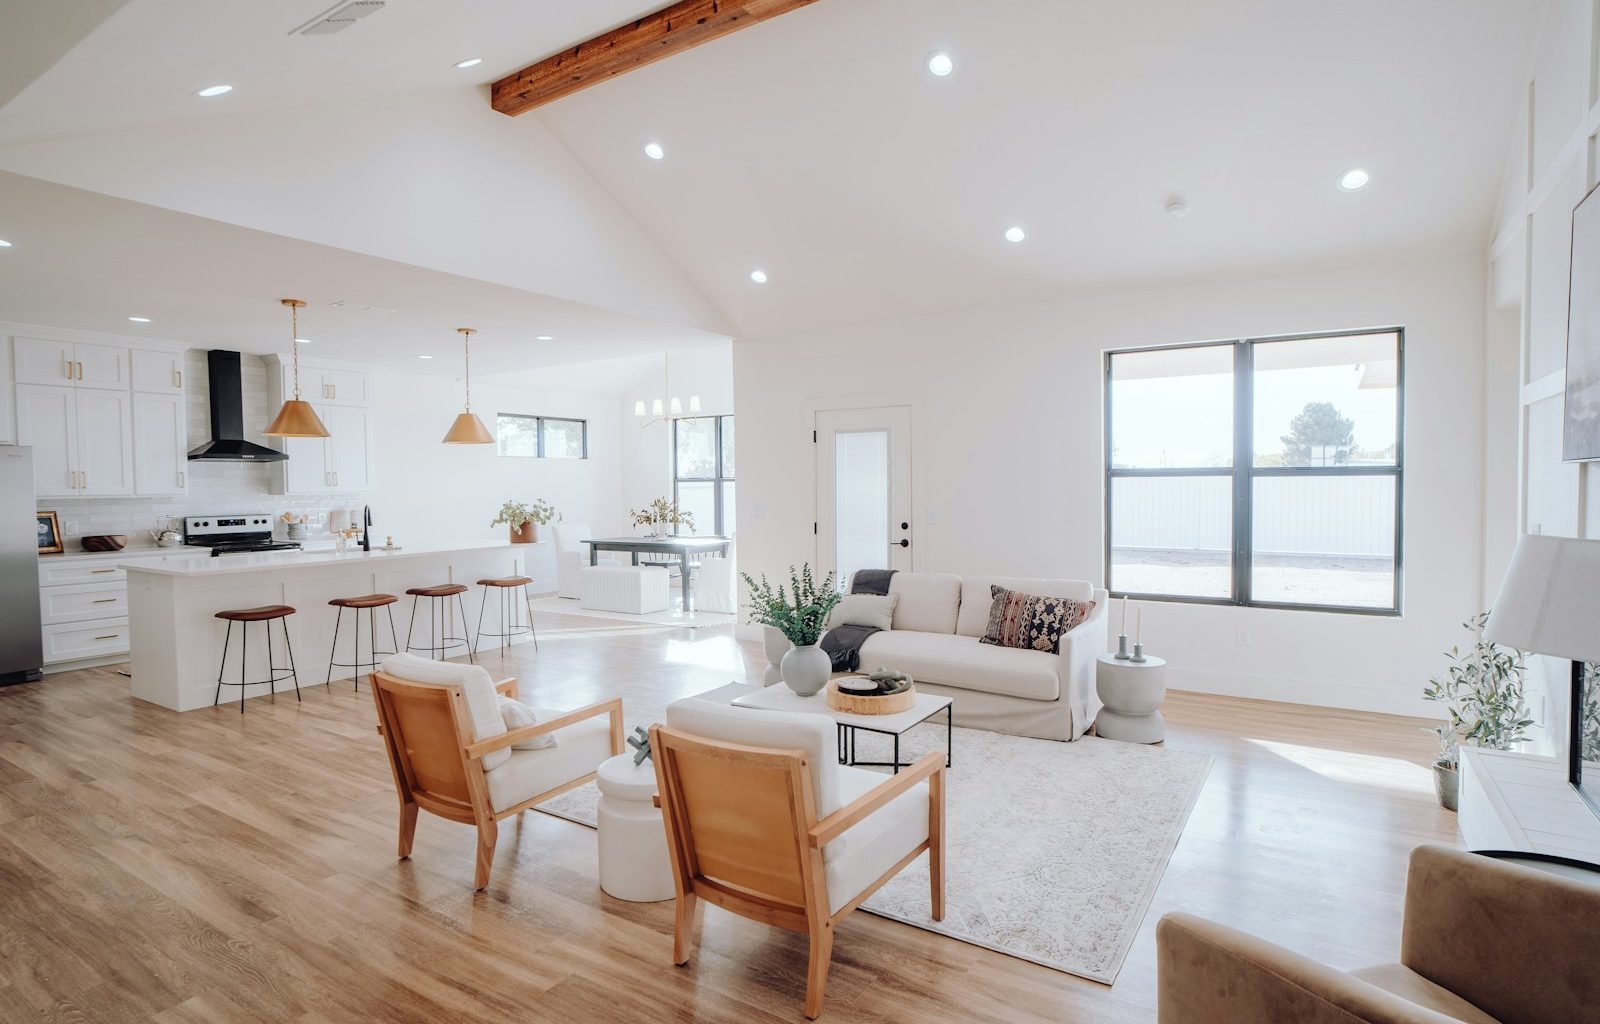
x,y
296,418
467,428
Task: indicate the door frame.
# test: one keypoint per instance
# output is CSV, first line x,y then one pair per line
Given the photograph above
x,y
812,407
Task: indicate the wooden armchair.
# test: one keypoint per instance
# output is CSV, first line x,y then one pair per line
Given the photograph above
x,y
452,755
762,820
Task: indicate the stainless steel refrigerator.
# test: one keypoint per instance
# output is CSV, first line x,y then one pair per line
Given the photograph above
x,y
21,646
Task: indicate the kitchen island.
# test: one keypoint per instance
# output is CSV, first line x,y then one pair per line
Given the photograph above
x,y
177,641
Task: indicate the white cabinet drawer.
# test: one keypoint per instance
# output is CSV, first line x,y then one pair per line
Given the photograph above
x,y
76,640
94,572
83,601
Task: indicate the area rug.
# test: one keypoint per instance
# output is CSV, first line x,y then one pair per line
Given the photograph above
x,y
673,616
1053,850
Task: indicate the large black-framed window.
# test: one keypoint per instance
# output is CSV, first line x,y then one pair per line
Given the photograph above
x,y
702,472
1266,472
540,437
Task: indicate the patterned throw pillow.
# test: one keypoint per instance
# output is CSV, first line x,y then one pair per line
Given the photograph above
x,y
1030,622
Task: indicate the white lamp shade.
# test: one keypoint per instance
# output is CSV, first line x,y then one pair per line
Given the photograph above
x,y
677,406
656,408
694,403
638,408
1549,601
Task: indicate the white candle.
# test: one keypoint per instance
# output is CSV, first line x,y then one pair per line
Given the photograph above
x,y
1139,627
1124,629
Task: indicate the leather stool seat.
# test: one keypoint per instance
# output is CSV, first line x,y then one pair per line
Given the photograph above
x,y
369,601
262,614
442,590
507,581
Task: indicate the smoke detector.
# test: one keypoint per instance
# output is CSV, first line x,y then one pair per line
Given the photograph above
x,y
1177,209
339,17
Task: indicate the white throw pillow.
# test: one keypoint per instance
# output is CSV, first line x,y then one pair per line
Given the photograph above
x,y
518,715
476,687
864,610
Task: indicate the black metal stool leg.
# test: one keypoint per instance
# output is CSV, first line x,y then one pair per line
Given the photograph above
x,y
244,659
287,646
272,670
355,653
226,640
527,602
333,648
461,607
394,640
482,604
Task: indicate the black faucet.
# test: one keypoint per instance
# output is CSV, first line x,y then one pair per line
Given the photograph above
x,y
366,528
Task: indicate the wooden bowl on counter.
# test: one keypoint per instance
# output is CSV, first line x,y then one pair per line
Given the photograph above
x,y
104,542
871,704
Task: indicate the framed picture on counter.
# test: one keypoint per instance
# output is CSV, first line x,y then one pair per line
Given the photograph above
x,y
49,534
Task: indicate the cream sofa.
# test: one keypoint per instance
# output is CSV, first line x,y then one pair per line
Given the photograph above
x,y
938,620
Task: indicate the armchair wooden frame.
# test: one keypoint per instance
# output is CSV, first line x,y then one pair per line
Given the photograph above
x,y
743,834
438,768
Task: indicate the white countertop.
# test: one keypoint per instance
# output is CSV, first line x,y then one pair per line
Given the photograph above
x,y
281,561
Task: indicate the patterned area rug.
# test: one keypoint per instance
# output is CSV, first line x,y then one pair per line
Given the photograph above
x,y
1053,850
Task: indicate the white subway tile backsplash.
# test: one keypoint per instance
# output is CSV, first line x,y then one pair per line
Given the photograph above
x,y
213,486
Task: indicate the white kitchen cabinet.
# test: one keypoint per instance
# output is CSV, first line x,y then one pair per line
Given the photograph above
x,y
74,641
156,371
80,364
306,471
344,387
160,444
343,460
82,440
83,602
349,448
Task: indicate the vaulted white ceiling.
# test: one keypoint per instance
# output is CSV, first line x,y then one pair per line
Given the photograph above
x,y
815,146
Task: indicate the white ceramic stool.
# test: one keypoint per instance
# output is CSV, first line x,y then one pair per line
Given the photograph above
x,y
1132,692
633,842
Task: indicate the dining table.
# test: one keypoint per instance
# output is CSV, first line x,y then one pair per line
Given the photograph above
x,y
685,549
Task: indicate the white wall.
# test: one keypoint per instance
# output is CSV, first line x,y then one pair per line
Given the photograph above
x,y
1551,164
647,452
1008,474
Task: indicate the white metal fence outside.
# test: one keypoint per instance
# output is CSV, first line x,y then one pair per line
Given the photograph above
x,y
1335,515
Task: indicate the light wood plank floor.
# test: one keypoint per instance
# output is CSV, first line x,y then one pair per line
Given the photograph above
x,y
218,867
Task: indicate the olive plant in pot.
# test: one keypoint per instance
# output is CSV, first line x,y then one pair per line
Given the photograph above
x,y
521,517
800,613
1484,699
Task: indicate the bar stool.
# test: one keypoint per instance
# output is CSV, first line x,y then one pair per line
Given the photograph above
x,y
440,640
504,586
245,616
371,602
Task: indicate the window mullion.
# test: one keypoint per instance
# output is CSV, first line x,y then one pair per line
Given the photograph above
x,y
1243,456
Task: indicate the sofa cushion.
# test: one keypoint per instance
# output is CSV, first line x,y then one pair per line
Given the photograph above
x,y
1399,980
864,610
927,601
579,749
976,600
964,663
878,841
1031,622
483,703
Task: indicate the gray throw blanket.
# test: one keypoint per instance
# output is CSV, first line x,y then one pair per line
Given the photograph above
x,y
843,643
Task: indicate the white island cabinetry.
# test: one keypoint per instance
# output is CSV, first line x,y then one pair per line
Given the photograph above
x,y
177,640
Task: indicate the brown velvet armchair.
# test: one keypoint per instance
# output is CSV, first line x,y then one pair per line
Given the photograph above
x,y
1484,942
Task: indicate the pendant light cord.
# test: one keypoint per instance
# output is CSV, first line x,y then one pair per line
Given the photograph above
x,y
294,346
466,353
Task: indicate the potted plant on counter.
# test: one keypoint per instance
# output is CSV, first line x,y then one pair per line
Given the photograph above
x,y
1483,695
660,514
522,518
800,614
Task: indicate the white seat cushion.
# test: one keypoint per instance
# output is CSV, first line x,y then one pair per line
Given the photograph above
x,y
962,662
878,842
578,751
927,601
483,703
976,598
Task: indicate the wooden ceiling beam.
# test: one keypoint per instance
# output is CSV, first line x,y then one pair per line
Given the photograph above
x,y
674,29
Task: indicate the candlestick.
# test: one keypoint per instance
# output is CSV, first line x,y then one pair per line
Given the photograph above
x,y
1138,653
1138,634
1122,647
1124,628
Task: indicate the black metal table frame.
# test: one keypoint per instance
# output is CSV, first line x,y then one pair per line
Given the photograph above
x,y
847,741
684,548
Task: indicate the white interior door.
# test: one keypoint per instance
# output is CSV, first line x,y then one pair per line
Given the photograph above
x,y
863,490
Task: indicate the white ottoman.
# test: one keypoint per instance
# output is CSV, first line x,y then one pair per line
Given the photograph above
x,y
1132,692
633,841
635,589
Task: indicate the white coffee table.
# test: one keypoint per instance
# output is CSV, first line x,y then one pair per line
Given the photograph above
x,y
633,841
781,698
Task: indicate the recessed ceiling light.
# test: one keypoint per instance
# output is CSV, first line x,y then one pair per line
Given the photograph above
x,y
1015,234
654,151
470,62
139,319
214,90
940,65
1354,180
424,357
4,244
1177,209
302,341
545,337
758,276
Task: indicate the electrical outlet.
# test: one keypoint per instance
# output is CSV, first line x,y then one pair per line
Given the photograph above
x,y
1241,637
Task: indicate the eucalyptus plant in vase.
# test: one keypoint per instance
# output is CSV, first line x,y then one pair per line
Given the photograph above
x,y
660,514
1483,692
800,613
522,517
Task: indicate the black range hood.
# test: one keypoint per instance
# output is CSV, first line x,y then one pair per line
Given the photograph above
x,y
227,442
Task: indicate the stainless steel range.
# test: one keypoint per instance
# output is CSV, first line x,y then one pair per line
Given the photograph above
x,y
229,535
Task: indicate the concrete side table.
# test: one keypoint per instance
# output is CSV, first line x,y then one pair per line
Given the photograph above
x,y
633,841
1132,692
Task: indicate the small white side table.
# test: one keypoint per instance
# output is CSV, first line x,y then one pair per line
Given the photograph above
x,y
1132,692
633,841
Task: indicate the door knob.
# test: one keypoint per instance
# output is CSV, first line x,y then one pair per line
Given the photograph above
x,y
905,543
905,526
